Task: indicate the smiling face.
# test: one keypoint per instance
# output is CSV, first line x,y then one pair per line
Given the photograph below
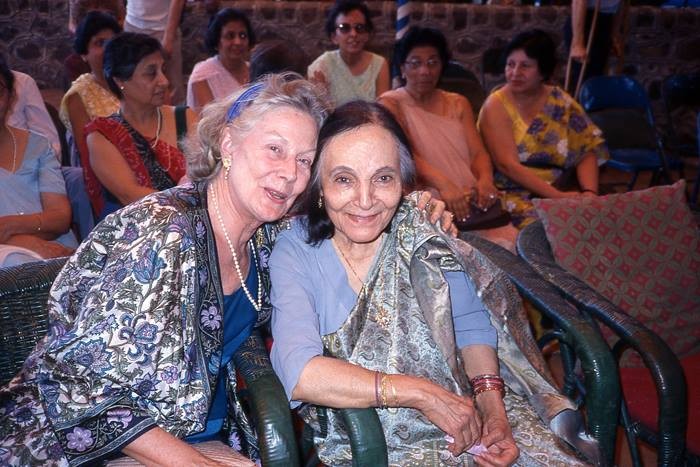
x,y
522,72
361,182
234,41
148,84
271,163
346,36
422,69
96,49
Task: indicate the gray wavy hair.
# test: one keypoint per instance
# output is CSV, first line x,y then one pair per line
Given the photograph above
x,y
203,151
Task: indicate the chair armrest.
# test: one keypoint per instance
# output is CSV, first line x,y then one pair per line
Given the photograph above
x,y
24,291
664,366
367,440
278,446
602,395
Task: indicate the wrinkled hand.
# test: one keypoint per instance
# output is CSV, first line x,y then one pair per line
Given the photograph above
x,y
485,194
455,415
498,440
44,248
436,208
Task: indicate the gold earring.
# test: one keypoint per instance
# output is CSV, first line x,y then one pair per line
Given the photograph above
x,y
226,162
320,201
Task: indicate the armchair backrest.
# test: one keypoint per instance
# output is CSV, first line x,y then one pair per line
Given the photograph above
x,y
24,291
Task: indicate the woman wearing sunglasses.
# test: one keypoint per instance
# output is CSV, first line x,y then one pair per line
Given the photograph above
x,y
350,72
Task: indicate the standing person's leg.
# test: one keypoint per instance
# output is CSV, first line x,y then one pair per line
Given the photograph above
x,y
173,70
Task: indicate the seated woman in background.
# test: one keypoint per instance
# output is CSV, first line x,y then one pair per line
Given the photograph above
x,y
373,306
35,214
229,39
134,152
350,72
538,135
89,95
449,154
74,65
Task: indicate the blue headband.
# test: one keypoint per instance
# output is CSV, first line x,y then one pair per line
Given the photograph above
x,y
244,99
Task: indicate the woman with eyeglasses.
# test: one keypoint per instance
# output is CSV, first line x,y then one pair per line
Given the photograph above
x,y
350,72
449,154
228,39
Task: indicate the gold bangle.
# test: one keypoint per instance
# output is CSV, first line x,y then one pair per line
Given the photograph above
x,y
393,393
385,380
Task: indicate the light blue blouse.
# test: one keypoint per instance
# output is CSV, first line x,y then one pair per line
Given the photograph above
x,y
38,173
311,297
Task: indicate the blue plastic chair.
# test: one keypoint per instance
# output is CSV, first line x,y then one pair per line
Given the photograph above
x,y
620,107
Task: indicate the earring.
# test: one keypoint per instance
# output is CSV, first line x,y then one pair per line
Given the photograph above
x,y
226,162
320,201
121,87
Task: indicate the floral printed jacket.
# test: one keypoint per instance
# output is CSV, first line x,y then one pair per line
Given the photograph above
x,y
129,347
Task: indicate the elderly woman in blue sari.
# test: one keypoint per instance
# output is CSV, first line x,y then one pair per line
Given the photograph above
x,y
375,307
145,316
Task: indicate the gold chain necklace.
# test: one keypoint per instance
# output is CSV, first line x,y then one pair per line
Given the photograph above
x,y
237,266
337,247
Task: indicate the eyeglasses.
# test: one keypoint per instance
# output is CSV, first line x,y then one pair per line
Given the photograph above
x,y
416,64
345,28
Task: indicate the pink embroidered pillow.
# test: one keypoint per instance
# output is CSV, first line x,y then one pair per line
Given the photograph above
x,y
639,249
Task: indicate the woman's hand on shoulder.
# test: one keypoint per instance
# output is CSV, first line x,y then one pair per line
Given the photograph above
x,y
439,215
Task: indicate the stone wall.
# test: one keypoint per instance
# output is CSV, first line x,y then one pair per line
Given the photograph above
x,y
34,35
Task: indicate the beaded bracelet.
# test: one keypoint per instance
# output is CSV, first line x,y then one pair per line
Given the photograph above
x,y
38,229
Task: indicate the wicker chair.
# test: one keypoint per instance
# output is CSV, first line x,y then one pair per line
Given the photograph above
x,y
23,295
664,366
598,392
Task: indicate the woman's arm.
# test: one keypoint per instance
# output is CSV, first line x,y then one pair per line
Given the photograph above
x,y
52,221
157,447
587,174
497,436
202,95
496,128
78,117
337,383
383,83
480,160
113,171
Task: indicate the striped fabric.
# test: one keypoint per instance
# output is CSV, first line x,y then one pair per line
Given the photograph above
x,y
403,15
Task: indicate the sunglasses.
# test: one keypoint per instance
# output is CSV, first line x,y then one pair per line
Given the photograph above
x,y
345,28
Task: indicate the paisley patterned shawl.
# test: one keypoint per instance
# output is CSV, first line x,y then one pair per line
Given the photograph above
x,y
128,347
408,276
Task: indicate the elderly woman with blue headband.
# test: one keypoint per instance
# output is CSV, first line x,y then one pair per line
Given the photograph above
x,y
146,315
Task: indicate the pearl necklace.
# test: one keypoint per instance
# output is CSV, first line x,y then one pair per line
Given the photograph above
x,y
258,305
14,149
